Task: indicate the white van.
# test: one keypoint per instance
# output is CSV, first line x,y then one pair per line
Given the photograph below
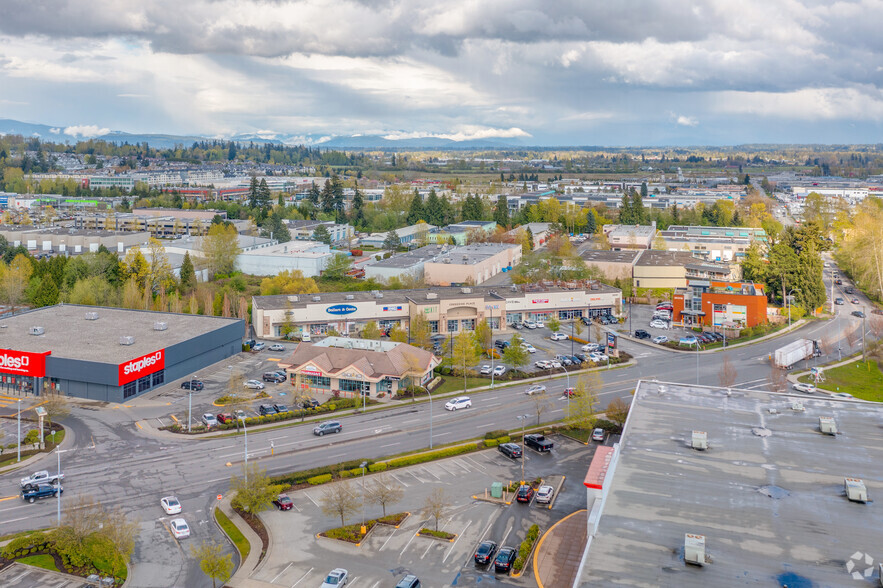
x,y
305,337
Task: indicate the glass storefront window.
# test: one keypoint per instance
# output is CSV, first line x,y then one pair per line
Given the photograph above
x,y
452,325
130,390
468,324
494,322
316,381
433,327
568,315
354,385
144,384
159,377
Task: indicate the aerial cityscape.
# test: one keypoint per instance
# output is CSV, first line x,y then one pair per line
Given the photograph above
x,y
302,294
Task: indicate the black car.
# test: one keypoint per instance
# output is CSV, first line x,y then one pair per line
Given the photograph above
x,y
510,450
409,581
485,552
586,320
505,559
274,377
309,403
266,409
525,493
642,334
582,356
196,385
858,313
280,408
576,360
500,344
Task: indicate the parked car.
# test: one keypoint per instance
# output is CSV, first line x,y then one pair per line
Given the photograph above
x,y
540,324
459,402
283,502
501,344
327,427
535,389
563,360
179,528
858,313
555,363
590,347
839,301
660,339
543,364
194,385
598,435
538,442
307,402
576,359
544,494
510,450
805,388
274,377
530,348
225,417
250,342
665,306
258,346
525,493
688,340
529,325
658,324
42,477
642,334
266,409
254,385
854,301
277,347
33,492
499,370
409,581
558,337
598,357
336,578
505,559
209,420
280,408
485,370
485,552
170,505
662,315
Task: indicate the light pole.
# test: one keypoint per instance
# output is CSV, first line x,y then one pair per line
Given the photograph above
x,y
19,430
190,404
430,417
566,374
522,418
492,347
363,464
788,301
697,361
58,453
244,428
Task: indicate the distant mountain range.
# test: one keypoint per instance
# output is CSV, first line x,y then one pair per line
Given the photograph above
x,y
72,134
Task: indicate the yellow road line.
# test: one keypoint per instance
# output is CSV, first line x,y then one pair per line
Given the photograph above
x,y
7,498
137,424
173,418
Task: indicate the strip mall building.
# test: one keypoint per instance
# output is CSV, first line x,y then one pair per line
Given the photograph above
x,y
108,354
448,310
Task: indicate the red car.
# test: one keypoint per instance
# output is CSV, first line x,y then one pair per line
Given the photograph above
x,y
283,502
225,417
525,493
570,392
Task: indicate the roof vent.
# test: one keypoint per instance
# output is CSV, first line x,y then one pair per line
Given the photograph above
x,y
700,440
380,294
316,298
349,297
36,331
160,326
91,316
466,290
797,407
293,299
827,425
431,295
447,260
856,491
694,549
127,340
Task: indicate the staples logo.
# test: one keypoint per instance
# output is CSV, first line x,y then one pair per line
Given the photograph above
x,y
14,362
143,363
146,364
25,363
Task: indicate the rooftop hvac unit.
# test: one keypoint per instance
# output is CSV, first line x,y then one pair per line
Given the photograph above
x,y
160,326
700,440
380,294
317,298
466,290
127,340
431,295
447,260
293,298
827,425
91,316
36,331
797,407
350,297
856,490
694,549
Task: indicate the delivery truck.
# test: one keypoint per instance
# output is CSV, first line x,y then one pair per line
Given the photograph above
x,y
791,353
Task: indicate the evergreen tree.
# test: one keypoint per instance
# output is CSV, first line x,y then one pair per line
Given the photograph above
x,y
338,200
357,210
47,292
392,241
314,194
322,235
416,211
327,198
625,210
501,211
638,212
473,209
447,211
188,274
643,189
253,192
529,240
591,224
434,210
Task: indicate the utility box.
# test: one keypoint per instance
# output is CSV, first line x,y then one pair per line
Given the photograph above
x,y
856,490
694,549
497,490
700,440
827,425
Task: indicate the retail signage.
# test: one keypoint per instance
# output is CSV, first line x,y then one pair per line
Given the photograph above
x,y
23,363
611,341
141,366
540,301
311,373
341,309
391,308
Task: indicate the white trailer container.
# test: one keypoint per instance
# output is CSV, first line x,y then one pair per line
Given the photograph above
x,y
791,353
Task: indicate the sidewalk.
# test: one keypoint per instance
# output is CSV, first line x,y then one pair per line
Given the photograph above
x,y
242,577
559,551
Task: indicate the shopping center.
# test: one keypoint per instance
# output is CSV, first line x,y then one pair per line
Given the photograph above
x,y
448,310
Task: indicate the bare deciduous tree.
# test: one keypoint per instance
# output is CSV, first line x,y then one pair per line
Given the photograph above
x,y
121,531
727,374
436,505
582,406
540,405
81,517
617,411
383,490
337,499
777,379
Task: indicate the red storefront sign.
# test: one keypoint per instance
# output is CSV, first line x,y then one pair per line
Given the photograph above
x,y
141,366
23,363
310,373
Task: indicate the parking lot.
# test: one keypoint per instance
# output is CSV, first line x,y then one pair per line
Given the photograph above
x,y
298,557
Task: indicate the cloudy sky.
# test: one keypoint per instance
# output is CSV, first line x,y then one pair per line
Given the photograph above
x,y
563,72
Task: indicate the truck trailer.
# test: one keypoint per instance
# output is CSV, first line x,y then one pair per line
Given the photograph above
x,y
791,353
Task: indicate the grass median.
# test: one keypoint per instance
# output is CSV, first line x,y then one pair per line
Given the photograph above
x,y
44,560
862,379
233,532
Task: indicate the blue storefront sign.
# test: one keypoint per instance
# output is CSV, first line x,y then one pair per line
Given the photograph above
x,y
341,309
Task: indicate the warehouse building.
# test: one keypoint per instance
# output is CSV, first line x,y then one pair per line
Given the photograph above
x,y
109,354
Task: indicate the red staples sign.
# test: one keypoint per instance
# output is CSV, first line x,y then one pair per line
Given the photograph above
x,y
23,363
141,366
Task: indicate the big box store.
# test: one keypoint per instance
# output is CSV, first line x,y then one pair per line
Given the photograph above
x,y
108,354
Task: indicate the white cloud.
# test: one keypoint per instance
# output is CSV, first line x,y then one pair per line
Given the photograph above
x,y
806,104
465,134
55,131
686,121
85,131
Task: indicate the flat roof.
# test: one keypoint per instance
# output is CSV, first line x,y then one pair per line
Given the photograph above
x,y
411,258
767,494
663,258
68,334
608,256
472,254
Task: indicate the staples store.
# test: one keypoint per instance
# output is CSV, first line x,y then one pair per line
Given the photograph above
x,y
108,354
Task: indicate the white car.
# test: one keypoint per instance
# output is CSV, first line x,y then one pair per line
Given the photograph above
x,y
658,324
530,348
499,370
277,347
535,389
555,363
171,505
540,324
598,357
544,494
558,337
588,347
209,420
254,385
179,528
543,364
259,347
598,435
336,578
529,325
485,369
805,388
660,339
459,402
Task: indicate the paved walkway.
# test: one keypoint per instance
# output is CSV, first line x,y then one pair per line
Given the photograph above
x,y
241,578
558,554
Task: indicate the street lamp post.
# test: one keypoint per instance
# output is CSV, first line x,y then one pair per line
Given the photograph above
x,y
190,404
19,430
430,417
493,349
788,302
697,361
58,453
244,428
363,464
522,418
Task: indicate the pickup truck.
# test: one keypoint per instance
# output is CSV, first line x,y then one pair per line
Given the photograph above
x,y
538,442
32,493
42,477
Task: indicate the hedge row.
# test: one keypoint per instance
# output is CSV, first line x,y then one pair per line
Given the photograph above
x,y
525,548
408,460
301,477
320,479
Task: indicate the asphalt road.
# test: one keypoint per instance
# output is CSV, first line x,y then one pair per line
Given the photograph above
x,y
116,463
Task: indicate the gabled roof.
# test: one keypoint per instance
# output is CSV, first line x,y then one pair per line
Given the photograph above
x,y
372,364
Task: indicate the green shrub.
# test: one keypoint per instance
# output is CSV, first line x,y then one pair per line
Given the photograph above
x,y
380,466
344,474
501,440
33,436
331,407
519,564
496,434
491,442
320,479
608,426
432,455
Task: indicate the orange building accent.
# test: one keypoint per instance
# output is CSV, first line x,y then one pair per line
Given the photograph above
x,y
747,295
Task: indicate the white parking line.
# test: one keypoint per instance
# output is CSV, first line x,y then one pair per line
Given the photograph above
x,y
353,581
399,480
387,539
508,530
311,500
455,542
291,563
302,577
402,552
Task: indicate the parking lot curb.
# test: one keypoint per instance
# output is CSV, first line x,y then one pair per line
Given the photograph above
x,y
539,544
557,490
